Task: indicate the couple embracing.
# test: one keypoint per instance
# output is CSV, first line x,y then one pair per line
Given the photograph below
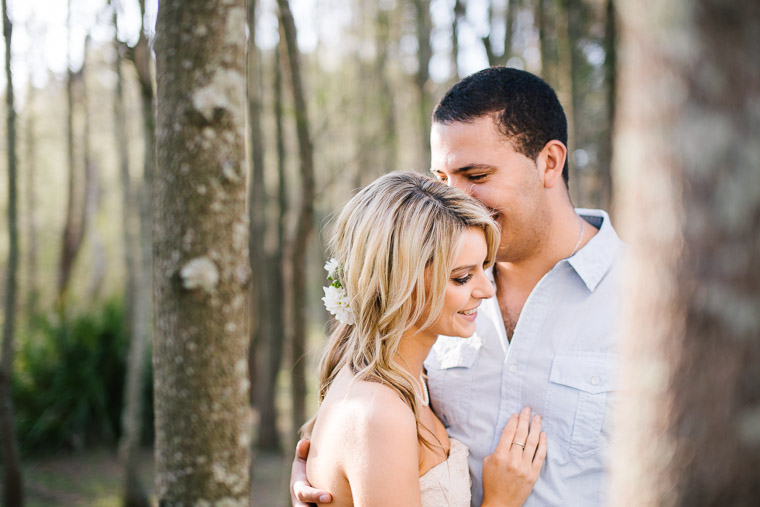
x,y
474,361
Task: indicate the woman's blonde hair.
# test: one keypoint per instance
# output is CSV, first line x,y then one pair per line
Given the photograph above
x,y
395,243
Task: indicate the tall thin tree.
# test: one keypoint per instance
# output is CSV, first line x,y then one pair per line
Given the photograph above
x,y
13,494
686,167
73,231
305,219
201,268
424,28
133,493
32,225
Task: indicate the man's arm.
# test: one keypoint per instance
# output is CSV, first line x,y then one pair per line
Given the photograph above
x,y
301,492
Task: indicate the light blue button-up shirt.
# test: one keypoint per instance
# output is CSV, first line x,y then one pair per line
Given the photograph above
x,y
561,362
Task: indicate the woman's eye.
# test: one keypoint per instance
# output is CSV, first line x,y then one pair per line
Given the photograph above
x,y
463,280
476,177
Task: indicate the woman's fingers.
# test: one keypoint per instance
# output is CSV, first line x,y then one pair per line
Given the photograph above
x,y
507,436
533,436
521,433
538,461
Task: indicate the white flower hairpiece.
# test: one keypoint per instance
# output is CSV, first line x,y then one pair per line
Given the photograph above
x,y
336,298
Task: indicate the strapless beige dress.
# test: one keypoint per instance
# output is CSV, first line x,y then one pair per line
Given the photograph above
x,y
448,483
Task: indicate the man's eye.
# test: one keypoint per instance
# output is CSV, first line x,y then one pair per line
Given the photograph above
x,y
476,177
463,280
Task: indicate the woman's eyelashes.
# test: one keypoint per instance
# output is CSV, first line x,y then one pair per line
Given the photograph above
x,y
462,280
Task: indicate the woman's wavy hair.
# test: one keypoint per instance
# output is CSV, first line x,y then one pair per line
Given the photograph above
x,y
395,243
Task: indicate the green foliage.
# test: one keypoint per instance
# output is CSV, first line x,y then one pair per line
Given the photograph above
x,y
69,381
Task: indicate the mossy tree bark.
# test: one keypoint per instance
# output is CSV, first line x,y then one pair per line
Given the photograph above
x,y
201,269
687,180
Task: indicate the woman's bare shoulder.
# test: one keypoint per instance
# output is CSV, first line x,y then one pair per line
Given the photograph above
x,y
370,410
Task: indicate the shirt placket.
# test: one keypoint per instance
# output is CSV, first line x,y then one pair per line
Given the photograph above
x,y
514,389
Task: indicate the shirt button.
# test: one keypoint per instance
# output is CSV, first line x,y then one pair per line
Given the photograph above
x,y
594,380
512,368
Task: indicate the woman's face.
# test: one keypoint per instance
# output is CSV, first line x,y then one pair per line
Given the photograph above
x,y
467,286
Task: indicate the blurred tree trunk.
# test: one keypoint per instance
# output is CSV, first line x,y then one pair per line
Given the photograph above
x,y
279,283
142,58
388,135
547,34
133,493
305,219
73,231
201,268
92,190
509,22
13,489
687,150
264,340
573,14
604,197
422,78
459,13
32,226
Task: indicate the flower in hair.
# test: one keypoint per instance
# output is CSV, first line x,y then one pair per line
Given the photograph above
x,y
336,298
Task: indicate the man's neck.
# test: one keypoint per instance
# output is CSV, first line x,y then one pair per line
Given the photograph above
x,y
515,279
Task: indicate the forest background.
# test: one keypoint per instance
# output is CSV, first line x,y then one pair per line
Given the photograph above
x,y
337,94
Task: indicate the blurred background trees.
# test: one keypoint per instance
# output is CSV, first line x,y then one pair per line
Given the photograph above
x,y
338,93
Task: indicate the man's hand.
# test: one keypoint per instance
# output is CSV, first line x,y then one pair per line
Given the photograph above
x,y
301,492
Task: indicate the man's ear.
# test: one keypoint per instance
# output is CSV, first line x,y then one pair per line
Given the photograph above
x,y
551,161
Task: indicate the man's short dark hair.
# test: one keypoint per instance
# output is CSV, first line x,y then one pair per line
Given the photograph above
x,y
526,108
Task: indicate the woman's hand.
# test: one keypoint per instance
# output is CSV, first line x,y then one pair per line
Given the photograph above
x,y
511,471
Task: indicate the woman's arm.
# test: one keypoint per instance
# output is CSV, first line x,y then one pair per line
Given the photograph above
x,y
511,471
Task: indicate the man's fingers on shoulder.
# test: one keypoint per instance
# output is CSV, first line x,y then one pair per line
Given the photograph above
x,y
302,449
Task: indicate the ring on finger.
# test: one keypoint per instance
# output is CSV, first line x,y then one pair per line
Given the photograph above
x,y
515,442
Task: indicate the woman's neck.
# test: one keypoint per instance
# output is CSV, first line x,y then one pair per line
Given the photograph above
x,y
413,349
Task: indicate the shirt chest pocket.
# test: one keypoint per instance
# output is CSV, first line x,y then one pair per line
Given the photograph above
x,y
581,390
450,374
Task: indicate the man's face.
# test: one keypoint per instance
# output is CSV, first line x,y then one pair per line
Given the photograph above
x,y
476,158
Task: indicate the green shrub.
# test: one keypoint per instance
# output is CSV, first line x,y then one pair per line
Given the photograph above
x,y
69,381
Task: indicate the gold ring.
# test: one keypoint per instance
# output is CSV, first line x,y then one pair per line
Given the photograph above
x,y
515,442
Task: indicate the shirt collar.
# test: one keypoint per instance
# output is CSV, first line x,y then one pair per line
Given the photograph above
x,y
593,261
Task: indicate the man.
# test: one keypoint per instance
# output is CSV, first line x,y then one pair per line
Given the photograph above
x,y
547,339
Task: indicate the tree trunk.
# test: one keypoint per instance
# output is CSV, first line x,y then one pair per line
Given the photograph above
x,y
32,226
73,231
13,490
604,197
133,493
509,21
547,34
92,192
201,269
422,78
387,137
459,13
305,220
278,281
572,51
687,154
264,369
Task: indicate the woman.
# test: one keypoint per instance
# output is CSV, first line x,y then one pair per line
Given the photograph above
x,y
410,260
